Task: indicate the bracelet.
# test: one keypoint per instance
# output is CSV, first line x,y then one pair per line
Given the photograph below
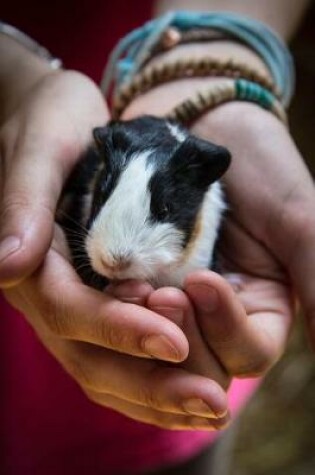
x,y
30,44
153,76
172,37
133,50
229,90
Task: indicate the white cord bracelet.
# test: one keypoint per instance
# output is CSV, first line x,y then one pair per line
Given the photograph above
x,y
30,44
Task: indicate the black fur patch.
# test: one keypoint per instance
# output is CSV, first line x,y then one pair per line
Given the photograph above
x,y
178,188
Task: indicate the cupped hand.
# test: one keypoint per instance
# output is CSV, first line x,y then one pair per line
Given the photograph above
x,y
111,346
266,182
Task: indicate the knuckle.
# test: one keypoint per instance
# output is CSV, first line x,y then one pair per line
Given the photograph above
x,y
115,336
108,334
149,397
13,204
155,393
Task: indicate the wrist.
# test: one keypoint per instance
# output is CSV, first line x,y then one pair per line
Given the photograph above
x,y
20,70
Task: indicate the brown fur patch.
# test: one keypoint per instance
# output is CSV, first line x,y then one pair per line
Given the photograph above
x,y
194,236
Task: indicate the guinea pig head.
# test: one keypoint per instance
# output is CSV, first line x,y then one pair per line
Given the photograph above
x,y
147,202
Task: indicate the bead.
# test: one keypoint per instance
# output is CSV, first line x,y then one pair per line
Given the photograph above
x,y
170,38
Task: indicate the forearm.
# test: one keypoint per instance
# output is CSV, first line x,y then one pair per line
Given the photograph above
x,y
19,71
283,16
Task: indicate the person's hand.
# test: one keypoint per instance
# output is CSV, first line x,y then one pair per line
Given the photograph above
x,y
110,346
266,176
208,410
106,345
267,241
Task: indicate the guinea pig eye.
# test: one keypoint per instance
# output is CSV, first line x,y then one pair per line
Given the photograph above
x,y
163,212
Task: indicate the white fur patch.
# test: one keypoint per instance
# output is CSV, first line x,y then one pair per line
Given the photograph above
x,y
123,228
176,132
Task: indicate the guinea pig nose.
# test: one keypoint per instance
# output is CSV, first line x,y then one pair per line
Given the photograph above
x,y
122,261
117,263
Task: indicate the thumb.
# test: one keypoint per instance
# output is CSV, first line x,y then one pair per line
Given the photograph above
x,y
31,189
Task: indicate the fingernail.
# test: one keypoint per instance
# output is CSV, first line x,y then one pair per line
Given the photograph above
x,y
199,407
8,246
206,298
158,346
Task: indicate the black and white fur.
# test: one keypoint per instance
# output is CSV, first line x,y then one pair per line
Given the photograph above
x,y
150,203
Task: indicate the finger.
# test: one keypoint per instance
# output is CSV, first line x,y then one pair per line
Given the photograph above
x,y
298,254
131,291
201,359
247,331
161,419
143,382
32,187
56,297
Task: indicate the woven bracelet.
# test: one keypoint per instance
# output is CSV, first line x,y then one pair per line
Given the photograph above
x,y
133,51
153,76
229,90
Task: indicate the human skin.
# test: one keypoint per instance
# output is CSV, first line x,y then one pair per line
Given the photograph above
x,y
247,335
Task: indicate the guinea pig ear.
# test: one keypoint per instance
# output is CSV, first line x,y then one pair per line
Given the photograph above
x,y
199,162
102,137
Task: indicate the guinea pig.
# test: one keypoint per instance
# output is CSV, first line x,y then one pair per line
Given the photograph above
x,y
145,203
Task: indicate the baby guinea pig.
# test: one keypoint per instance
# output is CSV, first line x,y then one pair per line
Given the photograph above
x,y
144,204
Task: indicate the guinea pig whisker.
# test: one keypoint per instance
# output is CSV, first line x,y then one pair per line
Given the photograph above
x,y
79,257
71,234
78,251
83,266
74,221
77,241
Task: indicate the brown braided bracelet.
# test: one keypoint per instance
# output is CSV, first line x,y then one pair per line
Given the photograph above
x,y
152,76
228,90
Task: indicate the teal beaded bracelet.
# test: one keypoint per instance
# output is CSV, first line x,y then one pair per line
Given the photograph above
x,y
227,90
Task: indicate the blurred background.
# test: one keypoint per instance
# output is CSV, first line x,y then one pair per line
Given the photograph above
x,y
276,433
